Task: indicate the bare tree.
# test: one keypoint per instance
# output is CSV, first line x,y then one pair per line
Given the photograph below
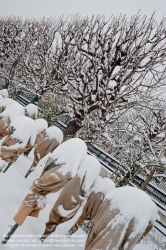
x,y
10,42
35,68
103,68
155,138
16,38
141,149
108,66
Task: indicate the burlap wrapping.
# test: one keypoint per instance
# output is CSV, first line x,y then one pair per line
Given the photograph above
x,y
50,181
67,205
44,146
33,116
30,206
23,212
11,155
103,235
4,127
89,211
39,136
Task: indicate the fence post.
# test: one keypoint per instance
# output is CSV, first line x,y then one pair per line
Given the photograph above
x,y
33,99
8,166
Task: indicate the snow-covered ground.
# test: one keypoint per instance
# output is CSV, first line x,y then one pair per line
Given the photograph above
x,y
13,189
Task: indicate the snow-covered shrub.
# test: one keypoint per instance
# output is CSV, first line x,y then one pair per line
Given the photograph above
x,y
49,112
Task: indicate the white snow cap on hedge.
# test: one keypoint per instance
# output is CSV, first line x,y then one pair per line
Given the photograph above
x,y
132,203
71,154
24,129
4,93
13,111
88,172
103,185
55,132
7,102
41,124
31,109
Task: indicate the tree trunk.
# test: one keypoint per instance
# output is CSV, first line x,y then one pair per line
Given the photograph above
x,y
72,129
12,70
148,179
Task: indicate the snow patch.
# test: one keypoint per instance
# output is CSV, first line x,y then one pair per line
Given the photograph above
x,y
161,135
103,185
13,111
31,109
132,203
41,201
67,213
23,131
40,124
73,199
55,175
4,93
88,173
7,102
2,164
55,132
71,153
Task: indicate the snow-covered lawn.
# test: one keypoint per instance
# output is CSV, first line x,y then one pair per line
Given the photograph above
x,y
13,188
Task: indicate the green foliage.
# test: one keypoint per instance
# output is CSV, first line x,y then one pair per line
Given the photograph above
x,y
14,88
4,81
131,157
129,175
49,111
68,137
